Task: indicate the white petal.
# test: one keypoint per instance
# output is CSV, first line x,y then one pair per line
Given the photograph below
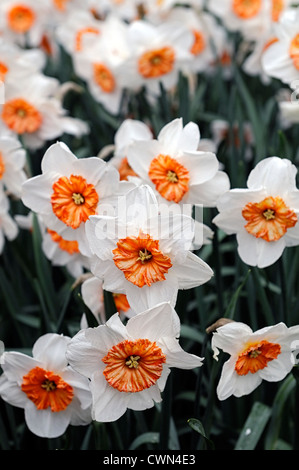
x,y
154,323
50,349
193,272
108,403
58,158
36,193
277,175
177,357
258,252
209,192
45,423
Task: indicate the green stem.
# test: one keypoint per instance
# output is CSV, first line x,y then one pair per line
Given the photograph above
x,y
166,414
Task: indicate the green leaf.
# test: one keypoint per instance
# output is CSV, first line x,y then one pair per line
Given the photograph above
x,y
197,426
281,398
230,310
146,438
254,427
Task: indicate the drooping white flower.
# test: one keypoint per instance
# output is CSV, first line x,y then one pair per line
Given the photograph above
x,y
51,393
128,365
264,216
265,354
142,253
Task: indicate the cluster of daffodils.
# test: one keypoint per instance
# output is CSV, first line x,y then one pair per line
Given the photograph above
x,y
124,221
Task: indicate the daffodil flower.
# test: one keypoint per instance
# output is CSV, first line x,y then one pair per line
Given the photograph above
x,y
128,365
264,354
51,393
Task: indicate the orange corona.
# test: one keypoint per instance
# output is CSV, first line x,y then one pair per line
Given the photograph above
x,y
170,177
81,33
294,51
158,62
3,71
21,116
141,260
47,390
74,200
60,4
121,302
269,219
199,43
256,357
104,78
277,8
125,170
20,18
246,9
70,247
133,366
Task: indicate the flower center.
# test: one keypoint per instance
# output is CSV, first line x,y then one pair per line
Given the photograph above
x,y
81,33
141,260
246,9
3,71
21,116
133,366
103,78
277,8
47,390
269,219
78,198
170,177
70,247
74,200
2,166
199,43
60,4
153,64
256,357
20,18
294,51
144,256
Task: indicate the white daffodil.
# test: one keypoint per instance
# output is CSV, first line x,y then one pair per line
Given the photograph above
x,y
128,365
252,18
265,354
142,253
23,21
51,393
78,23
177,171
16,62
264,216
33,110
69,191
281,59
157,54
99,63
